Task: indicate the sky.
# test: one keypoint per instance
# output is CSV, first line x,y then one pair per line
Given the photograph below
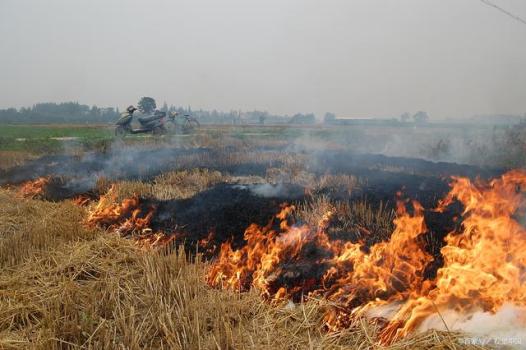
x,y
355,58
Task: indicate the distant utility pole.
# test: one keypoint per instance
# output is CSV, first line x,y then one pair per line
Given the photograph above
x,y
515,17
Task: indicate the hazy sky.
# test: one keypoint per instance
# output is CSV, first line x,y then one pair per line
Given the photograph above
x,y
357,58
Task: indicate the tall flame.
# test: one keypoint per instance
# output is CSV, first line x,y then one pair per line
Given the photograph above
x,y
484,261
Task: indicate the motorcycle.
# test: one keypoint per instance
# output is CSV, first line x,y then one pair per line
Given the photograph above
x,y
151,124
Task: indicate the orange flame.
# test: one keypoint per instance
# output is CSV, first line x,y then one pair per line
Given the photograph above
x,y
258,262
82,200
34,188
127,218
154,240
484,262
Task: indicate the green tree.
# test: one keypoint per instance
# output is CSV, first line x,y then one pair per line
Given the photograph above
x,y
146,105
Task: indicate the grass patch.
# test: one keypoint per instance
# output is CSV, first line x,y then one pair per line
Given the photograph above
x,y
54,130
45,139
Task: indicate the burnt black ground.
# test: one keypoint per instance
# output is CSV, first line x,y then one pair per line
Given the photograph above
x,y
226,210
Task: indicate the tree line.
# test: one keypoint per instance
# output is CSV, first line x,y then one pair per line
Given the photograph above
x,y
76,113
66,112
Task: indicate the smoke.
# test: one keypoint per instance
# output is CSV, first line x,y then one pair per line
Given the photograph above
x,y
82,171
386,311
280,190
267,190
288,168
484,145
505,327
463,147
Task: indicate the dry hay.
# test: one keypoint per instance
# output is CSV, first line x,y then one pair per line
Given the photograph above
x,y
29,226
63,286
106,294
171,185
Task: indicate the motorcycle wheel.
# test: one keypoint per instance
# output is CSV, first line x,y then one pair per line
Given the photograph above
x,y
120,131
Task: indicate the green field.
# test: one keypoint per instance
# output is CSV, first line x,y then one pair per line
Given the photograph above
x,y
50,138
53,138
72,279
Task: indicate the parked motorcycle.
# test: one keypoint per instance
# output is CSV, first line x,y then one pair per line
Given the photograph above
x,y
150,124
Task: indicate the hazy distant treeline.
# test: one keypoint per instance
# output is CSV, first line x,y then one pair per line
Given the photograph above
x,y
233,117
66,112
76,113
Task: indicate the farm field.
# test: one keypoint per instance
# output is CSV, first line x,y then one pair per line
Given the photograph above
x,y
434,142
345,175
240,237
